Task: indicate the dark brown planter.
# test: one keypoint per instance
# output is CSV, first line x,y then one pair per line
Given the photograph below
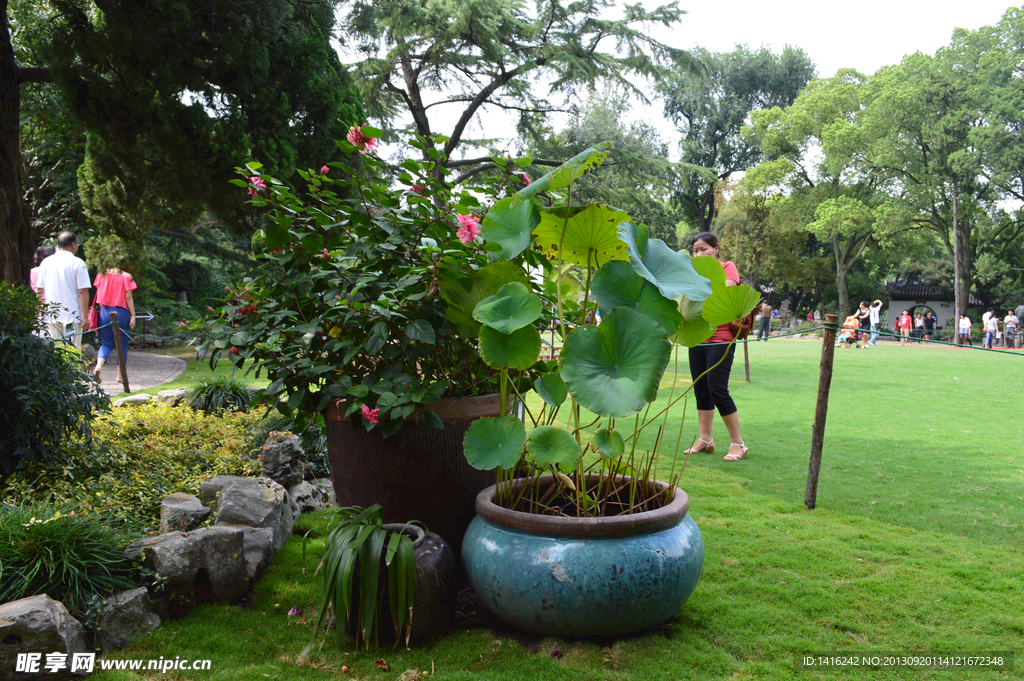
x,y
419,473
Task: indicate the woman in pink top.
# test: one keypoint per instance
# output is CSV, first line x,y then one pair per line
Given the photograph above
x,y
114,294
712,390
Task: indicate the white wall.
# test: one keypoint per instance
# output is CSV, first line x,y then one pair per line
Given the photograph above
x,y
943,310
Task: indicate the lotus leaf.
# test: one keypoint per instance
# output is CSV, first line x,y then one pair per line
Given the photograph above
x,y
671,272
609,443
509,224
617,285
729,304
589,238
517,350
550,445
551,389
511,308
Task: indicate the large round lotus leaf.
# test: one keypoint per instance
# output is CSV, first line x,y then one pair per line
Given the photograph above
x,y
616,285
589,238
463,288
565,174
609,443
551,389
671,272
614,369
730,304
511,308
694,329
517,350
548,445
494,442
710,267
509,224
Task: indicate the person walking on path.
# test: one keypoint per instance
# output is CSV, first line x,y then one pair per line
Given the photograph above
x,y
712,390
904,324
919,326
965,330
764,322
63,280
1010,326
864,323
874,317
929,325
991,332
114,294
42,253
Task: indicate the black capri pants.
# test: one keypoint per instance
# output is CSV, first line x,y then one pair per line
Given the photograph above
x,y
712,390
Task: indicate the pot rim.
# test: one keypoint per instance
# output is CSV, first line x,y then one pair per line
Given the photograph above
x,y
610,527
449,409
414,532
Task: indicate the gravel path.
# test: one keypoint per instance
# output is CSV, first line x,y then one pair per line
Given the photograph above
x,y
145,370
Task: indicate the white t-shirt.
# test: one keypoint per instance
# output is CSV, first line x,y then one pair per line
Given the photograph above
x,y
1011,322
873,315
984,320
61,276
965,325
992,324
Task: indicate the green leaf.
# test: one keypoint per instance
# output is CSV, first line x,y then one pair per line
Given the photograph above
x,y
614,369
550,445
694,329
671,272
517,350
730,304
432,420
494,442
421,330
617,285
609,443
463,290
509,224
551,389
566,174
370,131
511,308
710,268
589,238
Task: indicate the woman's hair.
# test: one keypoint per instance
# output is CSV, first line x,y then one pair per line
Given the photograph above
x,y
42,252
707,237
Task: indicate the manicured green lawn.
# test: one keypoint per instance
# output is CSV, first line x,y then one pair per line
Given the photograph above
x,y
915,545
199,371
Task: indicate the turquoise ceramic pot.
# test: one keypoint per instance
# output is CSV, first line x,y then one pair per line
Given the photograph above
x,y
583,576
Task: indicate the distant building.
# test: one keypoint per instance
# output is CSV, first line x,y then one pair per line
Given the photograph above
x,y
923,297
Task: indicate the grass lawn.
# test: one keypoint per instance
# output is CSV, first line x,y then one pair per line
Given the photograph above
x,y
915,546
197,371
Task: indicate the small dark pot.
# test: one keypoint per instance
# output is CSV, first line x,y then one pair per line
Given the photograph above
x,y
583,576
419,473
437,589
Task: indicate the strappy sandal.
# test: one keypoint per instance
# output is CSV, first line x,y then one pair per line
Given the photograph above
x,y
96,373
708,446
736,457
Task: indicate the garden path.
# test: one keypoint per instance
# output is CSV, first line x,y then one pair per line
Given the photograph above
x,y
145,370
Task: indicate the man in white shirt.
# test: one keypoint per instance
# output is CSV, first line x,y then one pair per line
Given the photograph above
x,y
64,279
1011,325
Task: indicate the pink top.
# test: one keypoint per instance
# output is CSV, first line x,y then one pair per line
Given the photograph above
x,y
723,334
33,277
111,289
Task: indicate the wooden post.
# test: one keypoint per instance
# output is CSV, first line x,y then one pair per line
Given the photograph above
x,y
821,410
120,351
746,360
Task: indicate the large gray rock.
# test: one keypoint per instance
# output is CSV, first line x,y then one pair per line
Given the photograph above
x,y
39,626
284,460
132,400
172,397
326,488
210,490
306,497
258,546
182,512
257,502
126,615
204,566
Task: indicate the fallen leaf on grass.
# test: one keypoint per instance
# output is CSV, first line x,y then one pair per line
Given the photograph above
x,y
382,664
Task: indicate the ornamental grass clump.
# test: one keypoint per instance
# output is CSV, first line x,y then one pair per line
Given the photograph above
x,y
221,393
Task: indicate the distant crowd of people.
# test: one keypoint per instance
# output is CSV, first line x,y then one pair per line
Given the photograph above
x,y
990,327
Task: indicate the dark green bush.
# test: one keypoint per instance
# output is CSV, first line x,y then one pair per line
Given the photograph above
x,y
221,393
46,397
73,557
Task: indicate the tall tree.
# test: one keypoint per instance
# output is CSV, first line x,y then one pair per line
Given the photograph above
x,y
440,63
712,104
173,95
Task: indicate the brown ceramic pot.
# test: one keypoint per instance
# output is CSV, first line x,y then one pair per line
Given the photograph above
x,y
419,473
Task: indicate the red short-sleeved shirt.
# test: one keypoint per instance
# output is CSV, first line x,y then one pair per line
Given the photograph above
x,y
111,289
905,322
723,334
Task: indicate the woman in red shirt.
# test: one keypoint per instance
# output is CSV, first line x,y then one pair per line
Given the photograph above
x,y
114,294
905,323
712,390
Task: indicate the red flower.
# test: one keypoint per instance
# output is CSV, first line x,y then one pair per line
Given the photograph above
x,y
255,185
234,351
419,189
325,170
371,415
356,137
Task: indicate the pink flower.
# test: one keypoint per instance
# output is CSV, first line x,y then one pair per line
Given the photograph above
x,y
468,228
256,184
181,324
526,178
356,137
294,611
227,288
325,170
371,414
418,189
234,351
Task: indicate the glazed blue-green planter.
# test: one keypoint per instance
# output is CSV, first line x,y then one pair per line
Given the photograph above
x,y
583,576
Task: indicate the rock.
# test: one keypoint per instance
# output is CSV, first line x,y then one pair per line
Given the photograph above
x,y
257,502
89,353
284,459
172,397
132,400
306,497
182,512
210,490
258,546
204,566
126,615
174,342
326,488
39,626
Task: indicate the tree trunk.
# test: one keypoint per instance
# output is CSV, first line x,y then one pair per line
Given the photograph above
x,y
15,235
959,302
844,293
